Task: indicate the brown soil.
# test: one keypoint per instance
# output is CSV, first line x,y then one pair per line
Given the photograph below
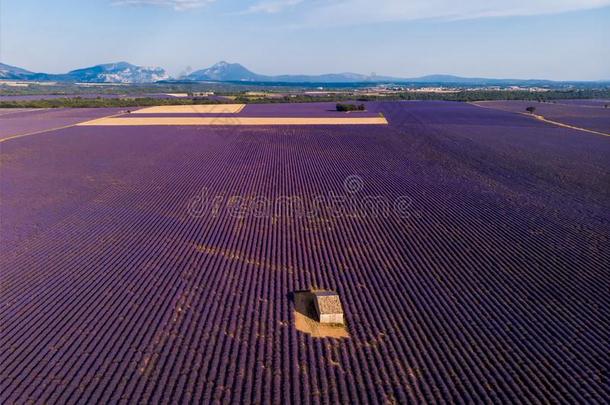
x,y
305,318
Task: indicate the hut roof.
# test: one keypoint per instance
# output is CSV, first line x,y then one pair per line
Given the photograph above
x,y
328,302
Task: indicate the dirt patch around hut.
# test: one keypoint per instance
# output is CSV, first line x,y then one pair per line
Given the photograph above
x,y
305,318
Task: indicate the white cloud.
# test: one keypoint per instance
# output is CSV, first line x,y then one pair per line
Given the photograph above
x,y
273,6
347,12
179,5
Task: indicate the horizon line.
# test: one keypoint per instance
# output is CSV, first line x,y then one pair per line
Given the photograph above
x,y
399,78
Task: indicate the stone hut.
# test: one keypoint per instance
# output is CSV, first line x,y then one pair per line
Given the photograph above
x,y
328,307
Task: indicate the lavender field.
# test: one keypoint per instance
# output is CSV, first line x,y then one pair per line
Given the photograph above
x,y
19,121
592,115
585,102
35,97
470,247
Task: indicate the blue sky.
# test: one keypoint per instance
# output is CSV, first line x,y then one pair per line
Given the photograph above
x,y
555,39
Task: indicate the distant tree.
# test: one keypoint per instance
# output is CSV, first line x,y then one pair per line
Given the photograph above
x,y
605,105
530,109
350,107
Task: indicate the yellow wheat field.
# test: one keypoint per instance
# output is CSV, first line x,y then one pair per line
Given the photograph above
x,y
233,121
192,109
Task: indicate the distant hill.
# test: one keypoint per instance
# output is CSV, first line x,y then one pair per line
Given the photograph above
x,y
234,72
8,72
121,72
223,71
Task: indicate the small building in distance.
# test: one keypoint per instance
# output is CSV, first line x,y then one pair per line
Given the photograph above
x,y
203,93
328,307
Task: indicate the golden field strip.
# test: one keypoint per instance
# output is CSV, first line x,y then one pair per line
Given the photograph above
x,y
190,109
233,121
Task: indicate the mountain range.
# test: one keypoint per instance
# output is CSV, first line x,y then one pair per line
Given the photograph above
x,y
224,71
123,72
